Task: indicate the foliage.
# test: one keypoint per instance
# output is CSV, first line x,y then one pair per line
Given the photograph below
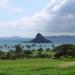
x,y
27,53
19,51
65,47
48,49
65,50
42,56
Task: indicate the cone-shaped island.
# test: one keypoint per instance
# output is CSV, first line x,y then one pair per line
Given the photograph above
x,y
40,39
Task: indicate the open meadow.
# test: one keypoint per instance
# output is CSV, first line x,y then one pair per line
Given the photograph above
x,y
39,66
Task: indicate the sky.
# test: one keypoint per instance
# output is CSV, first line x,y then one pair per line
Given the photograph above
x,y
26,18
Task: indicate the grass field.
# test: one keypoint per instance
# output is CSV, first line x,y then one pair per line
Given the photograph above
x,y
37,67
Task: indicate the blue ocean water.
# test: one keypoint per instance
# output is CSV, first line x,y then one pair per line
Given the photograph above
x,y
8,45
5,46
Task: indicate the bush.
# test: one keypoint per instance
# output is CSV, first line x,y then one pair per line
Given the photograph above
x,y
5,56
60,53
65,50
40,50
65,47
28,53
42,56
48,49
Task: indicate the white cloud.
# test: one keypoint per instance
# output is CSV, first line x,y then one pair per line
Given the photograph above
x,y
57,17
6,5
19,10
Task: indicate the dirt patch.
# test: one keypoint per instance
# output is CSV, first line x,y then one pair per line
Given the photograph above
x,y
67,65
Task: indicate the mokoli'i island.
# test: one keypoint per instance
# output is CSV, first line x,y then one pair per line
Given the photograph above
x,y
40,39
37,37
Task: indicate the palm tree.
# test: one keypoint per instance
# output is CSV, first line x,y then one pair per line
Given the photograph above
x,y
5,45
1,47
19,51
28,47
53,46
40,45
40,50
33,45
8,47
12,47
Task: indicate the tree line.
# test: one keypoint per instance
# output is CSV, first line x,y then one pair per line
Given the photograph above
x,y
20,53
65,50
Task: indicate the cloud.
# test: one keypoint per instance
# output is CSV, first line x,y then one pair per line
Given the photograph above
x,y
6,5
16,10
57,17
3,4
64,19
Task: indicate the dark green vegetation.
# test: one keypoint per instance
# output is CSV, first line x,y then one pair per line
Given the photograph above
x,y
37,66
65,50
20,53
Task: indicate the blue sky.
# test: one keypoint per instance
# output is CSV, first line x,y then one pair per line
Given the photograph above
x,y
26,8
28,17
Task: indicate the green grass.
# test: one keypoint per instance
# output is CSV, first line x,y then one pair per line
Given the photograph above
x,y
37,67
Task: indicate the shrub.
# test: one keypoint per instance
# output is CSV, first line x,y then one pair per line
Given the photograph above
x,y
48,49
28,53
65,50
42,56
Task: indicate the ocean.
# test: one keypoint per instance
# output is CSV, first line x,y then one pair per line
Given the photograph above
x,y
5,46
9,44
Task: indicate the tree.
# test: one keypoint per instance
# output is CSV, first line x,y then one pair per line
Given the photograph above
x,y
5,55
65,50
33,45
33,50
19,51
48,49
1,47
5,45
11,54
1,52
40,50
65,47
8,47
60,53
28,46
27,53
53,46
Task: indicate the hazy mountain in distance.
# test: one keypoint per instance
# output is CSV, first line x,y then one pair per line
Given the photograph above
x,y
14,39
62,39
55,39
